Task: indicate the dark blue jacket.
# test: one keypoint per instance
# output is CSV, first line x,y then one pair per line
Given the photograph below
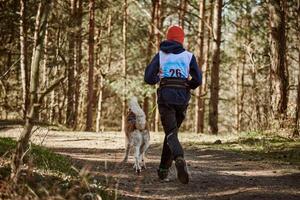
x,y
177,96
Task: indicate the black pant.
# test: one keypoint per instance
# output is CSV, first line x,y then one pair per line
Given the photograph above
x,y
171,118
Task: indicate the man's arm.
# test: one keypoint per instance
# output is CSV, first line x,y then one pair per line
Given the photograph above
x,y
196,74
151,73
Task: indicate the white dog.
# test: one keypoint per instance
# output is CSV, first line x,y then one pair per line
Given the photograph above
x,y
137,134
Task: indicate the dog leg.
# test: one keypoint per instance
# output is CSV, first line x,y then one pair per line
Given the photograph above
x,y
137,160
142,156
127,150
144,148
143,161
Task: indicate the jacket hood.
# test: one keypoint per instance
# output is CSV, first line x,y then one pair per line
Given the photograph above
x,y
170,46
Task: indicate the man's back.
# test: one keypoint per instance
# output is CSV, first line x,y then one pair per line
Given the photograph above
x,y
173,62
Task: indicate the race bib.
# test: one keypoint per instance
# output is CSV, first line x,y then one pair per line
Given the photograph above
x,y
175,65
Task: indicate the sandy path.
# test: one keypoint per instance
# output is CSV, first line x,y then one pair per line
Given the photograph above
x,y
215,174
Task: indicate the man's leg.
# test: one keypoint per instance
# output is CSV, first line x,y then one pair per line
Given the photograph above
x,y
165,161
181,167
166,156
180,114
172,148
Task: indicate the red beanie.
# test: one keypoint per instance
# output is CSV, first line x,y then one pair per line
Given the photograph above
x,y
175,33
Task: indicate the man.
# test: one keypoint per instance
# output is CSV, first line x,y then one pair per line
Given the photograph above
x,y
177,72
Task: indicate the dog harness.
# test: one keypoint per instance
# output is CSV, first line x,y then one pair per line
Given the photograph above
x,y
174,69
131,118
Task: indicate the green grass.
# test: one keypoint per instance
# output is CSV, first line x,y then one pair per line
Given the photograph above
x,y
42,157
6,145
54,173
261,146
275,148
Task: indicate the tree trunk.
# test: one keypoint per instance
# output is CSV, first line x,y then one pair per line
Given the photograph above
x,y
3,93
70,69
158,40
99,107
98,78
78,58
124,64
90,95
297,112
45,61
100,98
182,11
214,86
237,98
149,52
206,65
255,114
199,114
45,77
53,101
109,33
23,57
41,21
278,58
54,98
241,98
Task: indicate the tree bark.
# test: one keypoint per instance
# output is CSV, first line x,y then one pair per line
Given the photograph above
x,y
297,111
159,22
278,58
3,92
241,98
70,113
90,96
255,112
149,52
214,87
199,114
41,21
206,65
124,64
237,98
99,107
45,77
182,12
23,57
101,75
78,58
98,78
54,99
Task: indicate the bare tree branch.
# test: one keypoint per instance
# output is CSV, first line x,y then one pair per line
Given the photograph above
x,y
50,88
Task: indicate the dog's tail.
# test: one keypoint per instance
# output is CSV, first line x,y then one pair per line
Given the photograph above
x,y
139,113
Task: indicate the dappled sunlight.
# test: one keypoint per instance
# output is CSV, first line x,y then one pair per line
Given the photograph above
x,y
251,191
258,173
150,99
215,173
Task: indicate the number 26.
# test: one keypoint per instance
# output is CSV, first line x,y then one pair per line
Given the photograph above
x,y
176,72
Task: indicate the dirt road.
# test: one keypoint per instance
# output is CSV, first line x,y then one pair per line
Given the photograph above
x,y
215,174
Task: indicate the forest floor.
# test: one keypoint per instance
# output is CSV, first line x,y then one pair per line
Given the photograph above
x,y
242,168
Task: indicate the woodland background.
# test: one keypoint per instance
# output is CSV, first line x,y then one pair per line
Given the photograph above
x,y
68,67
92,57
